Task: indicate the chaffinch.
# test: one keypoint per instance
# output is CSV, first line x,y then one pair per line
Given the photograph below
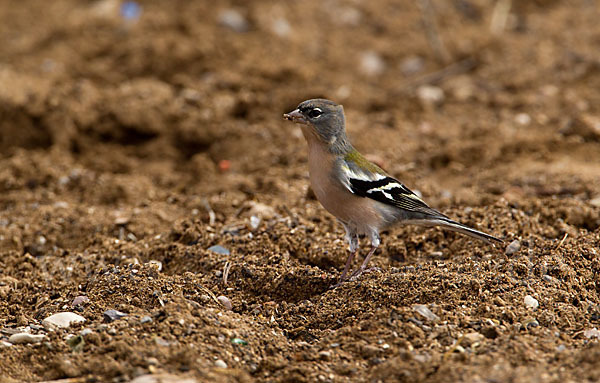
x,y
361,195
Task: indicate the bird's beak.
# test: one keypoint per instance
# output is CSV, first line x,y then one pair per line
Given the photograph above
x,y
295,116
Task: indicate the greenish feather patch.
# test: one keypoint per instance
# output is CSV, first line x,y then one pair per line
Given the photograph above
x,y
362,162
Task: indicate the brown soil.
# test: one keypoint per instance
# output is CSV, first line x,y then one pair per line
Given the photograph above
x,y
118,138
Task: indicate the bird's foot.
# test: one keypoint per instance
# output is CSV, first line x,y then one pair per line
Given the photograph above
x,y
362,271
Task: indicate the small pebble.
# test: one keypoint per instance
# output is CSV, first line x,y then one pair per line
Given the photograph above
x,y
548,278
79,300
591,333
325,355
25,338
112,315
531,302
531,323
146,319
234,20
471,338
254,222
62,320
157,264
412,65
219,250
219,363
225,302
430,95
131,11
371,64
86,332
281,27
523,119
513,247
425,312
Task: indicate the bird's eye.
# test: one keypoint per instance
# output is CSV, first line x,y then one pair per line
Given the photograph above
x,y
314,113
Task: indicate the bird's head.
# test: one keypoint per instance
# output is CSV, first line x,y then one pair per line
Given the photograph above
x,y
321,118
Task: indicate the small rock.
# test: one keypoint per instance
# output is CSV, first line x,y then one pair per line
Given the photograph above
x,y
146,319
369,351
471,338
347,16
499,302
548,278
233,20
371,63
281,27
4,343
25,338
531,302
523,119
79,300
531,323
131,11
595,201
254,222
513,247
219,363
219,250
412,65
262,210
112,315
591,333
225,302
157,264
62,320
430,95
86,332
425,312
325,355
163,378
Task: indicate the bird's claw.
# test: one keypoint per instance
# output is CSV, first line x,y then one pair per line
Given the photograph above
x,y
362,271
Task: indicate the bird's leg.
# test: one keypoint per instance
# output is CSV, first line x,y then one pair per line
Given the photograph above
x,y
352,239
363,267
347,267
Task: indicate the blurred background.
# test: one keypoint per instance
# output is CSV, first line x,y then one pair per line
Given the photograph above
x,y
497,95
133,131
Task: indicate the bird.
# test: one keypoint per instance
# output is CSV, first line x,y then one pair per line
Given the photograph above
x,y
363,197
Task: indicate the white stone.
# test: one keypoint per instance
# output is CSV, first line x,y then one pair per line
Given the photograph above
x,y
62,320
531,302
219,363
233,20
430,95
25,338
371,63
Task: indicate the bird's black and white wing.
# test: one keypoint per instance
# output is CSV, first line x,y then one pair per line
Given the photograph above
x,y
383,188
369,181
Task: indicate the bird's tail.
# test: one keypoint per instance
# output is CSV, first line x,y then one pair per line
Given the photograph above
x,y
449,224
